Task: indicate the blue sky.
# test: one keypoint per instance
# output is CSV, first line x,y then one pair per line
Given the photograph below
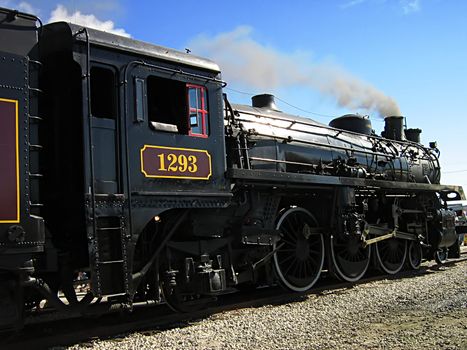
x,y
413,52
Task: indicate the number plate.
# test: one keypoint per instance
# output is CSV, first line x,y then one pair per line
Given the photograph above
x,y
178,163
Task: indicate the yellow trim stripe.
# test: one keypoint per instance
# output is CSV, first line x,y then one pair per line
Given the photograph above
x,y
172,176
17,220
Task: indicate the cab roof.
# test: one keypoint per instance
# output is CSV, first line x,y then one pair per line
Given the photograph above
x,y
121,43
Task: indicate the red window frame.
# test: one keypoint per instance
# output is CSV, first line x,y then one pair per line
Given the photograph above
x,y
203,110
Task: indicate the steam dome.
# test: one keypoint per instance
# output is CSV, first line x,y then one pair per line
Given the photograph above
x,y
353,122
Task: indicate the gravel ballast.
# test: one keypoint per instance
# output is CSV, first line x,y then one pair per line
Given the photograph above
x,y
427,311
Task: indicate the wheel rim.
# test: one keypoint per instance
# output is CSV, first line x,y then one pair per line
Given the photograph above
x,y
441,256
350,259
391,254
299,255
415,255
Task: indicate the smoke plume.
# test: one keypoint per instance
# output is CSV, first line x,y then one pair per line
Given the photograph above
x,y
246,61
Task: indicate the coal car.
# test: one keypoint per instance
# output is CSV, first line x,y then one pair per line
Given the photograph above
x,y
123,163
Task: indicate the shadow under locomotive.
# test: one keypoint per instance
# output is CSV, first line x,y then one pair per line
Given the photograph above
x,y
42,333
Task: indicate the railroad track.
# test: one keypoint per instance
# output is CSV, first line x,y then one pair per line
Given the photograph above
x,y
39,334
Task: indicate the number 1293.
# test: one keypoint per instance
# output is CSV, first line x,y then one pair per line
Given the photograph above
x,y
177,163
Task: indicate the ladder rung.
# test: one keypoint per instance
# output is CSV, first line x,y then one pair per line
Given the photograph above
x,y
108,228
35,147
35,89
39,63
36,205
110,262
35,117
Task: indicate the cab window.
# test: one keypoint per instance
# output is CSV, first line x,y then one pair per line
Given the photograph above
x,y
175,106
167,105
198,112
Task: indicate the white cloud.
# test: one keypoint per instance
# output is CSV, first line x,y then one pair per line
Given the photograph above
x,y
248,62
61,14
410,6
27,7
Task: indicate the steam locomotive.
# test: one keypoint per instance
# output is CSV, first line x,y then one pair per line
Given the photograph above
x,y
125,162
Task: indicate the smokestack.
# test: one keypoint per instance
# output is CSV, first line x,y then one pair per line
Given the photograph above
x,y
264,101
413,134
394,128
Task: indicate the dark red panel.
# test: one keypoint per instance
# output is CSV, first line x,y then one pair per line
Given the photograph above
x,y
8,162
171,162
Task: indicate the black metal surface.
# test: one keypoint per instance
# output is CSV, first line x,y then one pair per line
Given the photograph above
x,y
291,140
14,87
394,128
18,32
264,101
413,134
353,122
283,179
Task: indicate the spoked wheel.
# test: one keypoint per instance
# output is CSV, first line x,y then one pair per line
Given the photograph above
x,y
414,259
441,256
350,259
391,254
299,257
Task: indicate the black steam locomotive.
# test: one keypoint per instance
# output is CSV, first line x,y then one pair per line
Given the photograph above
x,y
123,163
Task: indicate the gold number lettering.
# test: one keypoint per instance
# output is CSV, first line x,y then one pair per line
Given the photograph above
x,y
180,163
172,158
183,163
162,162
192,168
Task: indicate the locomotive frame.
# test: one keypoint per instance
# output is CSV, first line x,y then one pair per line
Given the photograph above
x,y
133,167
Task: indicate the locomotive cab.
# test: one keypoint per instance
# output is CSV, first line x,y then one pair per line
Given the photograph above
x,y
133,130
